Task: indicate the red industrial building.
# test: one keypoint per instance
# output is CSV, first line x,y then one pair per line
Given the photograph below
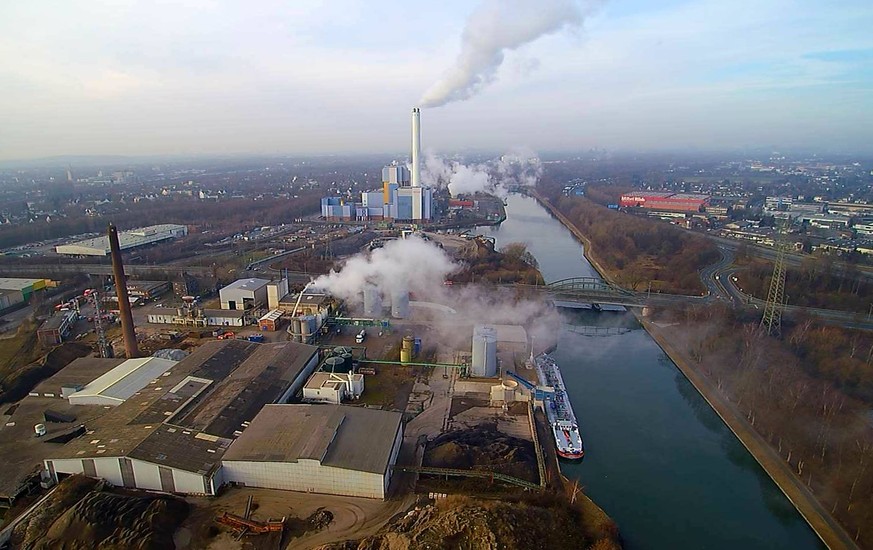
x,y
660,200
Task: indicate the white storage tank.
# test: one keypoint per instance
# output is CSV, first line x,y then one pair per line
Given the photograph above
x,y
400,304
372,302
484,361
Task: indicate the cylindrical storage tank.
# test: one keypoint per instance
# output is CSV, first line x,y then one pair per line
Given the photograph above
x,y
408,343
484,361
347,361
405,355
372,302
357,385
295,329
400,304
307,327
333,364
39,429
341,350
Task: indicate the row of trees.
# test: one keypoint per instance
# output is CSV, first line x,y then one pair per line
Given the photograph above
x,y
819,282
809,395
638,251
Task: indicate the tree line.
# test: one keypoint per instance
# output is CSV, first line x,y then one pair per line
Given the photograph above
x,y
639,252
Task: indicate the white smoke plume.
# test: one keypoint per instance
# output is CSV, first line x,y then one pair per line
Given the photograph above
x,y
519,167
412,264
421,267
495,27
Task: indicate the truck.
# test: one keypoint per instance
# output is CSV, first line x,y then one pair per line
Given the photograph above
x,y
359,339
259,338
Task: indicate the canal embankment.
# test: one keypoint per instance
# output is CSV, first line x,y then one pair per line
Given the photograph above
x,y
801,497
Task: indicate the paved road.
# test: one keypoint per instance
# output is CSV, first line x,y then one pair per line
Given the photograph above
x,y
792,259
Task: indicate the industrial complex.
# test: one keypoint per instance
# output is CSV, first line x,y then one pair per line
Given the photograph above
x,y
401,198
134,238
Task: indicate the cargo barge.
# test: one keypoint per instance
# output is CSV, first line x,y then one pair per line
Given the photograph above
x,y
562,420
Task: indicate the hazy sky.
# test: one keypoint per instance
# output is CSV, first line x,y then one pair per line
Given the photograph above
x,y
306,76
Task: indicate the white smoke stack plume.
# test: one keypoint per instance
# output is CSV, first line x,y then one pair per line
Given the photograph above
x,y
495,27
416,147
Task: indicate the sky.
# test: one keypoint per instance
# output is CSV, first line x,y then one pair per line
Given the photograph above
x,y
187,77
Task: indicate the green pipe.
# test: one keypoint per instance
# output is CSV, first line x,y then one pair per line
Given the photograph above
x,y
413,364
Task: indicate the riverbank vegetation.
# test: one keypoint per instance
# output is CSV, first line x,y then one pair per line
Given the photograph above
x,y
639,253
809,395
511,264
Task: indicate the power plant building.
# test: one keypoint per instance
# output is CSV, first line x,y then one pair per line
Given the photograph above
x,y
99,246
402,198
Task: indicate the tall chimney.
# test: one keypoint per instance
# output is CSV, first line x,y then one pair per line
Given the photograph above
x,y
127,330
416,147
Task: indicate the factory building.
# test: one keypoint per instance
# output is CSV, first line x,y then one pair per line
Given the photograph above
x,y
329,449
244,294
133,238
56,328
171,434
665,200
117,385
333,388
402,198
197,317
276,290
19,290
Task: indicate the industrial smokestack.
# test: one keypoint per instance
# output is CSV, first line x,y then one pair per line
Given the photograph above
x,y
416,147
127,330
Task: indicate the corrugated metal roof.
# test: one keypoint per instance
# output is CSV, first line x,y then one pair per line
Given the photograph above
x,y
126,379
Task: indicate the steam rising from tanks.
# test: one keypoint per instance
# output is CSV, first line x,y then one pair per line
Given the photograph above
x,y
412,265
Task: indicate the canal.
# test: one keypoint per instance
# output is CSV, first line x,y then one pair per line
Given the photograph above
x,y
658,458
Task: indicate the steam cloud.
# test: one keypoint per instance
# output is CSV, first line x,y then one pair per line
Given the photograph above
x,y
421,267
519,167
498,26
412,264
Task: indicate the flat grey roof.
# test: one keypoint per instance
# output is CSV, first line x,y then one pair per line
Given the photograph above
x,y
353,438
246,284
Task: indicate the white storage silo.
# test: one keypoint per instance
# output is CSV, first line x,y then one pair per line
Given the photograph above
x,y
372,302
484,361
400,304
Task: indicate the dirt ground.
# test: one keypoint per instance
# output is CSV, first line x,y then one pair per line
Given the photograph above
x,y
352,517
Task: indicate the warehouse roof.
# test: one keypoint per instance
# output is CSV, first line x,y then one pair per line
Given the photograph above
x,y
353,438
126,239
185,417
10,283
124,380
246,284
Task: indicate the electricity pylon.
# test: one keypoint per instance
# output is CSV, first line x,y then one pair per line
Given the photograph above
x,y
772,319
